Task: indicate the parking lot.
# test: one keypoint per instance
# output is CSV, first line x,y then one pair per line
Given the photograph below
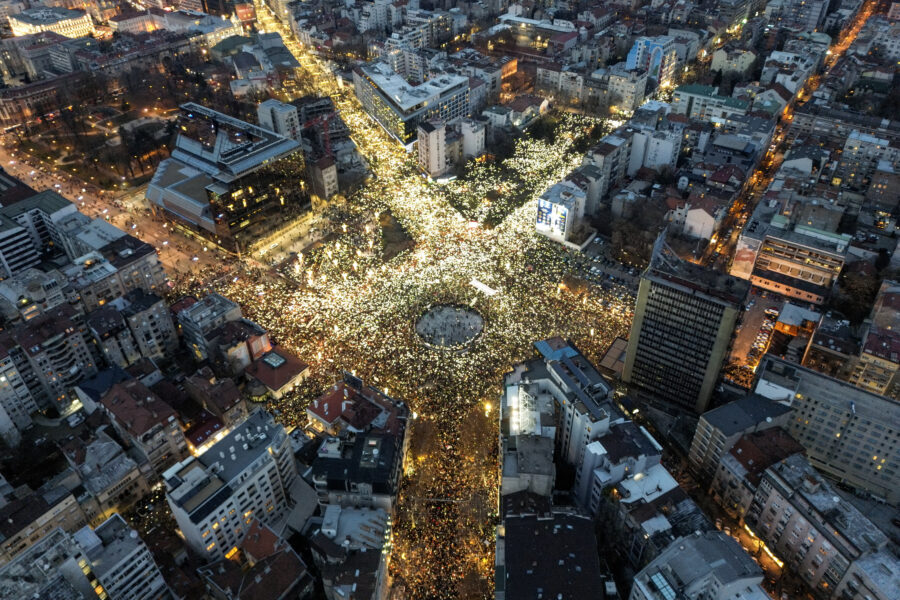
x,y
599,268
755,331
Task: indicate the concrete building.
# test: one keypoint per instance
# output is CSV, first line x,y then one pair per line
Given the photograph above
x,y
203,317
682,329
24,521
610,157
31,292
720,429
52,354
112,481
228,181
560,213
432,147
808,526
150,322
875,576
732,61
145,422
849,433
399,106
703,103
861,156
28,228
65,22
121,562
17,403
277,372
54,567
656,56
704,565
279,117
625,450
547,556
244,477
740,469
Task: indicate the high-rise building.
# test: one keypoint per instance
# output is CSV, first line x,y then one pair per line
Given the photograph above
x,y
279,117
247,475
848,432
656,56
203,317
560,211
432,147
121,562
683,323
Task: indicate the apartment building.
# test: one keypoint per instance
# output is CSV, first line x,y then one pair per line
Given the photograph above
x,y
150,323
145,422
53,354
741,468
703,103
121,562
399,107
801,518
203,317
610,157
26,520
701,566
29,227
656,56
849,433
682,329
279,117
432,147
560,213
111,481
17,403
879,359
246,476
720,428
861,157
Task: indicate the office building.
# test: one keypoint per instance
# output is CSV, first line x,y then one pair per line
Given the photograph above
x,y
432,147
804,522
227,181
720,428
246,476
849,433
682,329
146,422
279,117
701,566
65,22
121,562
202,317
560,213
656,56
400,106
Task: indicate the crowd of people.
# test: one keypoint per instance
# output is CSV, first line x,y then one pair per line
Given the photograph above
x,y
342,307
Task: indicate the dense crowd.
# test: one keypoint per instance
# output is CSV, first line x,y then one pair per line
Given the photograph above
x,y
340,306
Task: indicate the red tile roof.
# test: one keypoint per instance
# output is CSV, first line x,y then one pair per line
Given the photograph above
x,y
275,377
136,408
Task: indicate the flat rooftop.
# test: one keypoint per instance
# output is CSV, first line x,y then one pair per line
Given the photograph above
x,y
405,95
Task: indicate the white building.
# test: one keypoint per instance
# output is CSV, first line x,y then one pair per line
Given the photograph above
x,y
560,211
247,475
201,318
653,149
472,138
400,106
121,562
432,147
65,22
707,566
279,117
